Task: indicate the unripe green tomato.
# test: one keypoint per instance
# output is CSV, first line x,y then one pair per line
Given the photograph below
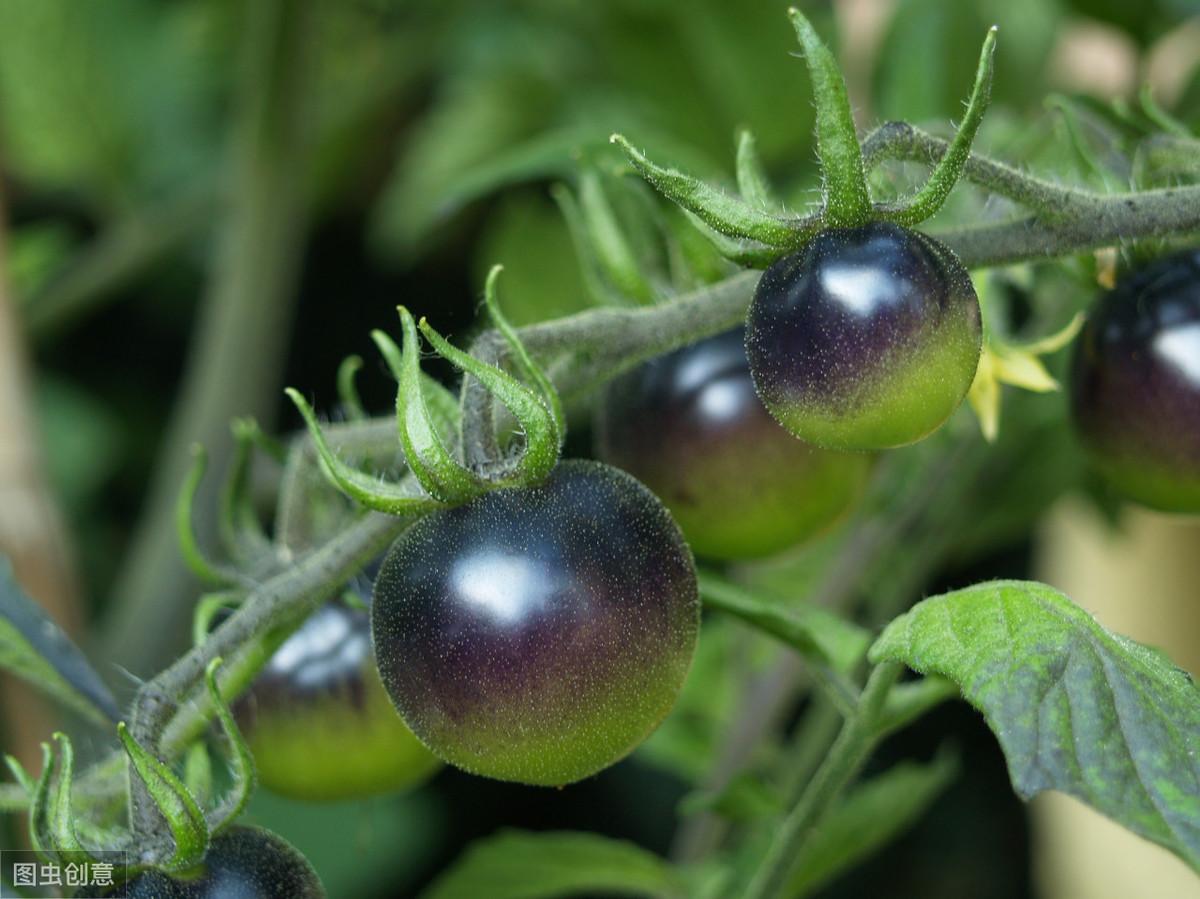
x,y
691,428
538,634
318,720
866,338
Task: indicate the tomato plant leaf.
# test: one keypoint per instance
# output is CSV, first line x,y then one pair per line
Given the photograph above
x,y
1075,708
518,865
870,816
35,648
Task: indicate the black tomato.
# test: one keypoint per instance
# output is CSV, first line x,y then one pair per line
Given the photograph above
x,y
866,338
318,720
691,428
242,863
1135,384
538,634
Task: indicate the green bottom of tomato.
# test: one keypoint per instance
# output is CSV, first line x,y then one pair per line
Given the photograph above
x,y
1157,487
909,393
338,748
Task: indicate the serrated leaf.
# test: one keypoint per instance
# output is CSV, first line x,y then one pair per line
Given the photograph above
x,y
872,815
518,865
1075,707
35,648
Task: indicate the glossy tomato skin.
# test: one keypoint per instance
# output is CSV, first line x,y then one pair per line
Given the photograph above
x,y
866,338
1135,384
690,427
318,721
242,863
539,634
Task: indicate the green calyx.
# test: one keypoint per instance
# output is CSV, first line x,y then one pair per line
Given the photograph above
x,y
428,423
752,228
187,826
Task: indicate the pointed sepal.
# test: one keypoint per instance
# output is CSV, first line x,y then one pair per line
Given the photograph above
x,y
929,199
193,556
751,179
179,809
240,531
847,203
364,488
241,761
538,417
431,461
723,213
352,405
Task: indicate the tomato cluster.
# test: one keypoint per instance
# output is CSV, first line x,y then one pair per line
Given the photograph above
x,y
690,427
1135,384
538,634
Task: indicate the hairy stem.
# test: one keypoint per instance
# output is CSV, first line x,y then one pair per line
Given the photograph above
x,y
850,751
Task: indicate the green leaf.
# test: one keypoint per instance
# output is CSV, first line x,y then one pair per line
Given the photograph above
x,y
519,865
35,648
1075,708
812,631
871,815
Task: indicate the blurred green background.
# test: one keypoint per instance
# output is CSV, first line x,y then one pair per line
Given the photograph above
x,y
206,200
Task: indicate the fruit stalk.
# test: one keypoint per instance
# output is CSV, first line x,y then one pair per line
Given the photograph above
x,y
850,751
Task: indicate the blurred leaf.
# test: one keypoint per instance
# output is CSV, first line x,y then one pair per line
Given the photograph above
x,y
77,108
869,817
36,253
745,798
1075,708
83,439
384,843
542,279
688,739
816,633
35,649
518,865
926,64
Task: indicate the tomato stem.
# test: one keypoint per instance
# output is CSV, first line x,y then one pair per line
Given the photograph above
x,y
856,740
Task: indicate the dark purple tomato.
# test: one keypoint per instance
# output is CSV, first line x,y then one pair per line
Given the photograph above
x,y
318,720
1135,384
691,428
538,634
866,338
242,863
